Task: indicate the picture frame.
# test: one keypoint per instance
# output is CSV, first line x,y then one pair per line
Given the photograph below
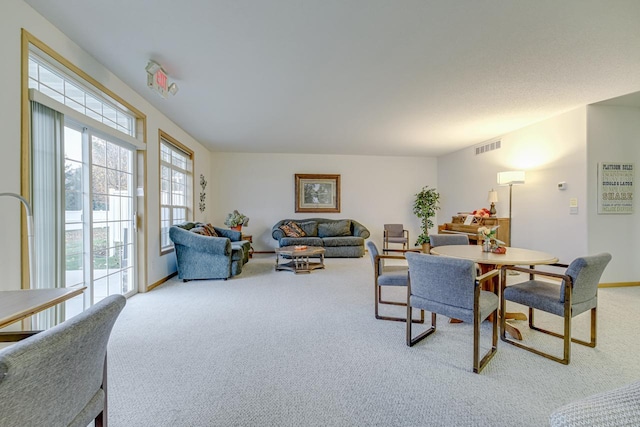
x,y
317,193
615,187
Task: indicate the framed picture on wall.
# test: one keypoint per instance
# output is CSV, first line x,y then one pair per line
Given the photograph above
x,y
615,187
317,193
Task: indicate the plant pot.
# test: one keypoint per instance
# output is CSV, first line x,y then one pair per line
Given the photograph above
x,y
237,227
426,248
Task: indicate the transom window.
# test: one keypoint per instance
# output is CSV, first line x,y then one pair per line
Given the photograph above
x,y
176,181
47,79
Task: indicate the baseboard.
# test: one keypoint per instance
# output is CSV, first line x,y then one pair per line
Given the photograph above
x,y
161,281
264,252
618,284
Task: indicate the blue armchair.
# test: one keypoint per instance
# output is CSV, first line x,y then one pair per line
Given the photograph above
x,y
206,257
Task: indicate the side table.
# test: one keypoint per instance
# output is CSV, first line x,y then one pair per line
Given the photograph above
x,y
249,238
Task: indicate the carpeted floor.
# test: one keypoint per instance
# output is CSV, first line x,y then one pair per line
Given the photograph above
x,y
276,349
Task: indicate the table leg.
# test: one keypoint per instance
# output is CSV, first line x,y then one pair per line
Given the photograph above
x,y
495,281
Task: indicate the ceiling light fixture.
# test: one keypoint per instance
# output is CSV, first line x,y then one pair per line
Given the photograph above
x,y
158,81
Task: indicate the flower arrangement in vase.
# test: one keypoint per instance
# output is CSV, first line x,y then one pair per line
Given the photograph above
x,y
488,236
235,220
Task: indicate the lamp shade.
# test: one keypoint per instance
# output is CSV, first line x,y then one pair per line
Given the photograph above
x,y
511,177
493,196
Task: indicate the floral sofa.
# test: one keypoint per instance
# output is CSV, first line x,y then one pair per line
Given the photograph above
x,y
207,257
341,238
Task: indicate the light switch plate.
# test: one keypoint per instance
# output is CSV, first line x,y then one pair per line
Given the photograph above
x,y
573,206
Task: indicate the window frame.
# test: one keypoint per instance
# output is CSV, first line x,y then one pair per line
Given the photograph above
x,y
175,145
28,42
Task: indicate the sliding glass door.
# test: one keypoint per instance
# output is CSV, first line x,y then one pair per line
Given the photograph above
x,y
99,216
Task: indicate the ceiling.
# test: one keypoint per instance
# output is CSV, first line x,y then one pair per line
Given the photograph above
x,y
376,77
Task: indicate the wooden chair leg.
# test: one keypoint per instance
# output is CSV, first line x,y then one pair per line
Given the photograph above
x,y
411,341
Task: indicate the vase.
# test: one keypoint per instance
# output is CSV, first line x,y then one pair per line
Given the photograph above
x,y
237,227
486,245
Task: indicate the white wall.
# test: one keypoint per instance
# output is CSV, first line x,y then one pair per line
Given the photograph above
x,y
614,136
374,190
550,151
16,15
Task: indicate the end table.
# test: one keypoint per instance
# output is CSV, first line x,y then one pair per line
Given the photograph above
x,y
249,238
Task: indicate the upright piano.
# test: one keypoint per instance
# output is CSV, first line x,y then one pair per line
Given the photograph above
x,y
458,226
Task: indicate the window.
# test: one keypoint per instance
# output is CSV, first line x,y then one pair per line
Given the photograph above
x,y
45,78
176,187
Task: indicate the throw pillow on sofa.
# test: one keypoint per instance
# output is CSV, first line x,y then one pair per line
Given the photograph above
x,y
205,230
294,225
334,229
291,229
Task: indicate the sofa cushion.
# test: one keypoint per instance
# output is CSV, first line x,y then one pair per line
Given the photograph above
x,y
334,228
293,241
309,227
205,230
343,241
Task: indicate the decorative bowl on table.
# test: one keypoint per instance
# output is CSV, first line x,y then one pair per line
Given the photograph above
x,y
300,247
499,250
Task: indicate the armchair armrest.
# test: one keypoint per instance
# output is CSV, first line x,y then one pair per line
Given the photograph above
x,y
486,276
379,257
534,272
232,235
416,250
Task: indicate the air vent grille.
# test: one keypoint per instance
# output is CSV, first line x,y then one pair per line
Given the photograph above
x,y
489,146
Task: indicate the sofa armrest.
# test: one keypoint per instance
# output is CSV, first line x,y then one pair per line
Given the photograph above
x,y
360,230
198,242
276,233
233,235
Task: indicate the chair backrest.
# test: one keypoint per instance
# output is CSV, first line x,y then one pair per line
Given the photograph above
x,y
585,272
448,281
51,377
394,230
448,239
373,252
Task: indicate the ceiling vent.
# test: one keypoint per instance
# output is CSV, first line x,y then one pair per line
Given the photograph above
x,y
488,146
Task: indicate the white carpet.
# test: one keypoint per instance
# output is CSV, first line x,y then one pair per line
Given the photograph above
x,y
276,349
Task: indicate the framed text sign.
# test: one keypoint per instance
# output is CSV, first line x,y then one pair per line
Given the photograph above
x,y
615,187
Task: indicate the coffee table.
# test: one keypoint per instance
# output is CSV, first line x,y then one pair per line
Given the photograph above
x,y
299,259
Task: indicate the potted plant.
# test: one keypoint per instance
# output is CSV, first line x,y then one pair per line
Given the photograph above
x,y
235,220
425,207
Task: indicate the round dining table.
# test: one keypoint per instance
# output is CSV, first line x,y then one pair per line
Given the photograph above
x,y
489,261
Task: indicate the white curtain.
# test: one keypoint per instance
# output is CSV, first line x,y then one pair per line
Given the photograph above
x,y
47,173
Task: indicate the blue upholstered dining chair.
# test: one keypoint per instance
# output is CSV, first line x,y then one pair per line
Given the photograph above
x,y
449,286
388,275
448,239
59,377
575,294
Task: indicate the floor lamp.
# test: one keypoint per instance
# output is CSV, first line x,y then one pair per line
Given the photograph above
x,y
27,208
510,178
